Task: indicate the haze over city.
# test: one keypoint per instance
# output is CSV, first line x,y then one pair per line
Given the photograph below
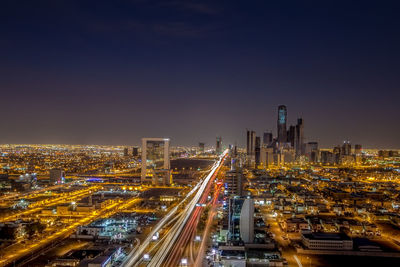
x,y
110,73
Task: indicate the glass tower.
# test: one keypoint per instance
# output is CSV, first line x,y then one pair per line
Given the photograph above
x,y
282,118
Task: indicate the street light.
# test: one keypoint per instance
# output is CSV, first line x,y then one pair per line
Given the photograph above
x,y
184,262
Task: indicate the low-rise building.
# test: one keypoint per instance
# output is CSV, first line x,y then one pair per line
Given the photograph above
x,y
326,241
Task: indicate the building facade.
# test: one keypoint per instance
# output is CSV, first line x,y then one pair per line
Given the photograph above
x,y
281,124
155,161
241,220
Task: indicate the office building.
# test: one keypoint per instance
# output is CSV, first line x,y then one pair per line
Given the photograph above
x,y
266,157
257,150
201,147
288,155
235,153
326,241
250,148
346,148
155,161
281,124
337,152
299,137
234,181
135,151
311,151
357,150
241,220
267,138
126,152
328,157
218,145
57,176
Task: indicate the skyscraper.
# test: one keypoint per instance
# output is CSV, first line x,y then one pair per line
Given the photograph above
x,y
201,147
257,150
155,161
291,135
126,152
357,149
135,151
346,148
282,119
299,137
250,149
218,145
233,182
267,138
267,156
241,220
311,151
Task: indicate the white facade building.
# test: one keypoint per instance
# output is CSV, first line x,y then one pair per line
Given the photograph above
x,y
326,241
155,161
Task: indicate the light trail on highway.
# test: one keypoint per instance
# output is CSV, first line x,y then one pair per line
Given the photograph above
x,y
185,224
135,255
213,212
177,229
189,230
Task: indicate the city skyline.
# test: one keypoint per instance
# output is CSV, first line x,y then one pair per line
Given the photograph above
x,y
199,133
241,143
192,71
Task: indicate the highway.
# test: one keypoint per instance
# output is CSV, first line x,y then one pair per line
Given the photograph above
x,y
170,251
179,228
189,231
206,233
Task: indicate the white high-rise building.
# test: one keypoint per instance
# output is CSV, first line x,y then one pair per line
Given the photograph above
x,y
155,161
241,220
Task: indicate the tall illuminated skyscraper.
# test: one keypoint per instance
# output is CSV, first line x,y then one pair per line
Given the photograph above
x,y
291,135
155,161
282,119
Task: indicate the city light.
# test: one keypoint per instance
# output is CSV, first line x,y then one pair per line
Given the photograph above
x,y
184,262
200,133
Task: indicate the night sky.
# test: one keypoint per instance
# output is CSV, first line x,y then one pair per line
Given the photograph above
x,y
111,72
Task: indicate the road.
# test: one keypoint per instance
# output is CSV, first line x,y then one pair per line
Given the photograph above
x,y
64,198
171,249
22,250
288,252
185,222
206,234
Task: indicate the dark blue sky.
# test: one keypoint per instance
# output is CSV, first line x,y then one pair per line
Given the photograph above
x,y
111,72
